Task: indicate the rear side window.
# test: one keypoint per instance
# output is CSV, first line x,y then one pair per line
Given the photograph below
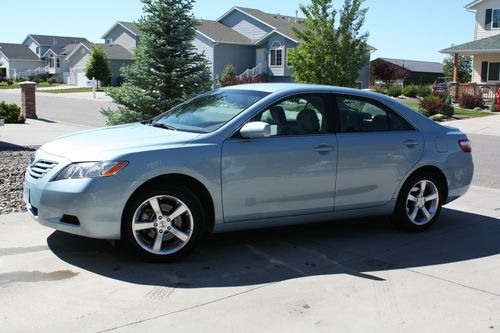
x,y
362,115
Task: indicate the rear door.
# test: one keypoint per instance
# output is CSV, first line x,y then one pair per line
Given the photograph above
x,y
377,148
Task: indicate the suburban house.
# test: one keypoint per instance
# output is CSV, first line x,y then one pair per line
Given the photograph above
x,y
421,72
58,56
485,48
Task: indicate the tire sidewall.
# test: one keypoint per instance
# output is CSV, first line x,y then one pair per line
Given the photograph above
x,y
185,195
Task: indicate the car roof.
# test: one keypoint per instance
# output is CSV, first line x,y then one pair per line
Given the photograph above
x,y
284,87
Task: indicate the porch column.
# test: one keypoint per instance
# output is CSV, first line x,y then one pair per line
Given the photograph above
x,y
455,69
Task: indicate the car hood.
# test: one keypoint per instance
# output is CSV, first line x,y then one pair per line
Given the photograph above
x,y
109,142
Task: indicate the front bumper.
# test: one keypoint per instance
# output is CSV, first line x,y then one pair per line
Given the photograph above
x,y
97,203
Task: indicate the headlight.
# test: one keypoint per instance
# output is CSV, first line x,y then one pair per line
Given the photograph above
x,y
90,170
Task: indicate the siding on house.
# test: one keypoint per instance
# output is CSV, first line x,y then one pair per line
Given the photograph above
x,y
4,63
115,66
242,57
246,25
32,46
477,63
77,64
122,37
205,46
18,66
480,28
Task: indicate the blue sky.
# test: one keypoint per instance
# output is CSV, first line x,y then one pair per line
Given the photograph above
x,y
407,29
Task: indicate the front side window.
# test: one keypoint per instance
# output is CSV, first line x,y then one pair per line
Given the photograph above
x,y
58,62
208,112
51,62
360,115
495,20
494,71
298,115
276,55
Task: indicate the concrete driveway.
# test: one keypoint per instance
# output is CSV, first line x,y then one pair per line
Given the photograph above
x,y
346,276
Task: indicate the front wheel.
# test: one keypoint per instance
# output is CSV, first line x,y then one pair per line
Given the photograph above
x,y
163,223
419,203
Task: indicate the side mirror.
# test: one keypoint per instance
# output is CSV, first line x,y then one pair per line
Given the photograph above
x,y
255,129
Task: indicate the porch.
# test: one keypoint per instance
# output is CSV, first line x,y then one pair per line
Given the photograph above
x,y
485,90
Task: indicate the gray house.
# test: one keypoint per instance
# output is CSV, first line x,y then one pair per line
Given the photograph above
x,y
17,58
253,41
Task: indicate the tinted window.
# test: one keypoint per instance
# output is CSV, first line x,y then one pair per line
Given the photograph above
x,y
360,115
297,115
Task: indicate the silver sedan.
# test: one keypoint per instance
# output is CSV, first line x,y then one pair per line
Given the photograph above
x,y
249,156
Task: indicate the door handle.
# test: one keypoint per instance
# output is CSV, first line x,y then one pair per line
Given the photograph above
x,y
411,143
323,148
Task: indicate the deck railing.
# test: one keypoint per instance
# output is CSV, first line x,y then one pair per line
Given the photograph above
x,y
486,91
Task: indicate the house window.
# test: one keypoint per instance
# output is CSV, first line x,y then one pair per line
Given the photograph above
x,y
51,62
37,50
109,41
276,55
58,62
495,20
494,71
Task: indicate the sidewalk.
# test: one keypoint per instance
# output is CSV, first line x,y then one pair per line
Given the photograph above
x,y
36,132
100,95
483,126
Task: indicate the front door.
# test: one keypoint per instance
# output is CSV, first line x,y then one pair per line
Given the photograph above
x,y
261,58
290,173
377,148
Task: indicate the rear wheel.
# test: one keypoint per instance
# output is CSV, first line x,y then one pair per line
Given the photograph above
x,y
163,223
419,203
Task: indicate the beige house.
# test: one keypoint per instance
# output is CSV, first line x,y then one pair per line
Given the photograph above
x,y
485,48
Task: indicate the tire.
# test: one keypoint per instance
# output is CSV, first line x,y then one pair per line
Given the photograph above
x,y
163,223
416,210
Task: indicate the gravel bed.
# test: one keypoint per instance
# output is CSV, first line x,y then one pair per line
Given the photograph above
x,y
13,164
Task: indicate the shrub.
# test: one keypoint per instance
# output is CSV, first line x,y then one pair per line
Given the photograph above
x,y
11,113
471,102
51,80
395,91
432,105
448,109
10,82
493,106
37,80
380,90
424,91
410,91
235,80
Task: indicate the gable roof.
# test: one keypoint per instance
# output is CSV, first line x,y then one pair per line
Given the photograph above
x,y
416,65
59,41
281,23
113,51
218,32
129,26
484,45
17,52
473,4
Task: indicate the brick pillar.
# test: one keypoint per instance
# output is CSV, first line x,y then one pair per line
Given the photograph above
x,y
28,100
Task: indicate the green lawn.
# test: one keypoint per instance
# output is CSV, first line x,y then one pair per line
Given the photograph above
x,y
458,111
15,85
71,90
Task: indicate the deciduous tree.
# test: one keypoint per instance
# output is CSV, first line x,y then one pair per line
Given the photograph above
x,y
464,68
98,65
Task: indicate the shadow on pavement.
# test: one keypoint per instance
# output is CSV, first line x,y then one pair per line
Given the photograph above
x,y
357,247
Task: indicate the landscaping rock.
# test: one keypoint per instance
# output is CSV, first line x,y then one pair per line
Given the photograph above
x,y
14,162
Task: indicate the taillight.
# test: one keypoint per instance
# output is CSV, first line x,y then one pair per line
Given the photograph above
x,y
465,145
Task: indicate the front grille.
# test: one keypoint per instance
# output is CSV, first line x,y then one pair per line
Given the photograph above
x,y
40,168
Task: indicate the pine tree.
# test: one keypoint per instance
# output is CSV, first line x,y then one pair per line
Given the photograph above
x,y
98,65
167,70
328,54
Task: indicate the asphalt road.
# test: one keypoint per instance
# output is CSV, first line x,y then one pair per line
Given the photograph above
x,y
65,110
486,155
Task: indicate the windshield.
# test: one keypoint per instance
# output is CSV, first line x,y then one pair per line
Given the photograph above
x,y
208,112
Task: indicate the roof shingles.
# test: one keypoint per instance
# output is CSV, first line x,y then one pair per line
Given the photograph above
x,y
17,52
221,33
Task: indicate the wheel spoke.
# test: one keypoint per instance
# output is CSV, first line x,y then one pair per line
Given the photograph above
x,y
431,197
158,241
414,213
177,212
426,213
143,226
423,184
156,207
412,198
179,234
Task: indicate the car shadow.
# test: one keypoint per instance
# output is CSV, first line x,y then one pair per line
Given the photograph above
x,y
360,248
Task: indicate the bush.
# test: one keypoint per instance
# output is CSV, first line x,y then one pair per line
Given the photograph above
x,y
410,91
424,91
395,91
11,113
432,105
471,102
380,90
493,106
37,80
448,109
10,82
51,80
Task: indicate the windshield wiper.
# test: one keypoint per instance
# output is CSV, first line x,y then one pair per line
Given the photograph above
x,y
147,122
162,125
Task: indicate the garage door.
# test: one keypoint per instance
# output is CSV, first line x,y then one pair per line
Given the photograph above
x,y
81,79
